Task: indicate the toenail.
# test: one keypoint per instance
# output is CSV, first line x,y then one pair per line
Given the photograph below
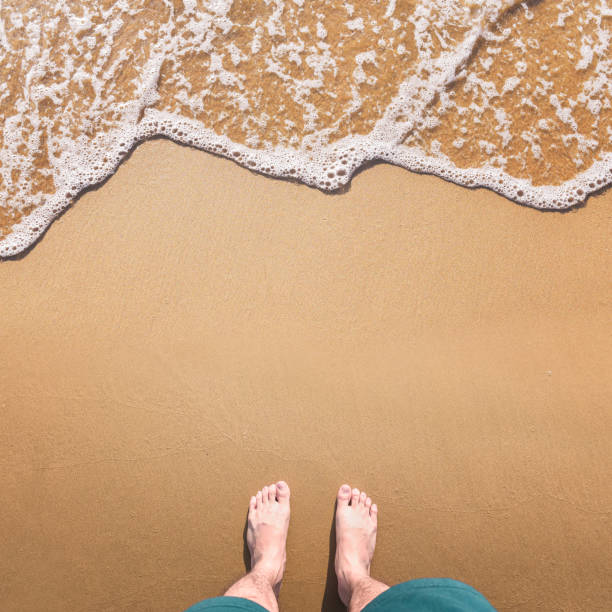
x,y
346,489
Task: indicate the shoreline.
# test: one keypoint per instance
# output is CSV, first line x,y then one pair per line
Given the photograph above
x,y
568,196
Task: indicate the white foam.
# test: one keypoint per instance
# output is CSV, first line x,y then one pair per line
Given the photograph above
x,y
316,159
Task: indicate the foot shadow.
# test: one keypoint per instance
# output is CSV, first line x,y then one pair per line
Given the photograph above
x,y
331,600
246,554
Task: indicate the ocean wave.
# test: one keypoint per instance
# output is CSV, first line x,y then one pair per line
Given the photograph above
x,y
516,97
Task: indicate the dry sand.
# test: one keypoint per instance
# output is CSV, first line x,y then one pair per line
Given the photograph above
x,y
191,331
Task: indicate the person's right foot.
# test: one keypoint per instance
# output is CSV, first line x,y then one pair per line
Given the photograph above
x,y
268,524
356,519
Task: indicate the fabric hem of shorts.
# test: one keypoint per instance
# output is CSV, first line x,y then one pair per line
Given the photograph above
x,y
227,602
418,584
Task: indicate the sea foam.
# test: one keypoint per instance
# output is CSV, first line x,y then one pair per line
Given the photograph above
x,y
511,96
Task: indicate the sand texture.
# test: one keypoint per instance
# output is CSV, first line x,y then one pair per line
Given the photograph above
x,y
191,331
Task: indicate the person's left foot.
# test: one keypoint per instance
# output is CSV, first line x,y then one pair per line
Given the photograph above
x,y
268,524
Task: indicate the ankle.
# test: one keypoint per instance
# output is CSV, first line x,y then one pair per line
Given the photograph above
x,y
353,578
268,571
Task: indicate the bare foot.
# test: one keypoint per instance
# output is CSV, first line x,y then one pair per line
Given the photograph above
x,y
356,519
267,532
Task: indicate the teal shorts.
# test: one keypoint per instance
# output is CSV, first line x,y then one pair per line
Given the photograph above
x,y
227,604
430,595
422,595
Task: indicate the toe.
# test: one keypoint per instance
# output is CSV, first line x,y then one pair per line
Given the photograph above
x,y
272,493
282,492
258,499
362,498
368,503
374,511
264,495
355,497
253,503
344,494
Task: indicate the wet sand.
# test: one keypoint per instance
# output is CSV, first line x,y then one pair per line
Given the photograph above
x,y
191,331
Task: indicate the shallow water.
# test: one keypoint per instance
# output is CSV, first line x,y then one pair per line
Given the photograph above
x,y
512,96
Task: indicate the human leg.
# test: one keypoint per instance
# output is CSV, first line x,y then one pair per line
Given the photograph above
x,y
356,524
268,523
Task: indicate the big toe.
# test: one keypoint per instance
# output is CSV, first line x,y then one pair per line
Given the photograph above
x,y
282,492
344,495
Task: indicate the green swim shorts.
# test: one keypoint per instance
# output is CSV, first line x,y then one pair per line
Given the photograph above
x,y
227,604
421,595
430,595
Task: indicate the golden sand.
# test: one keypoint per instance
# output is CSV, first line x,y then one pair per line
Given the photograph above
x,y
192,330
